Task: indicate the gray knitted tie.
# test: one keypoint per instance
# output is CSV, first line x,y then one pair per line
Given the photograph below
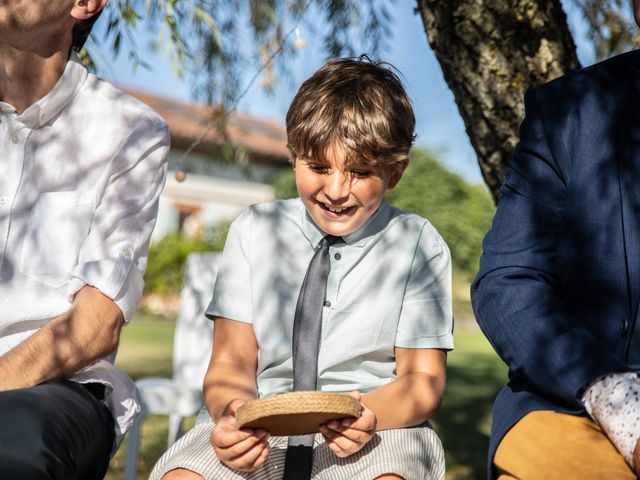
x,y
307,326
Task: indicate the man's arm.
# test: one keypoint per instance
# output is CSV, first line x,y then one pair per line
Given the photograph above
x,y
516,293
87,332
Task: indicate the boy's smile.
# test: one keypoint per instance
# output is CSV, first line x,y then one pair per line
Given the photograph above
x,y
339,201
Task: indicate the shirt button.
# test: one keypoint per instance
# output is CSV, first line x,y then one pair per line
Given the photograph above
x,y
3,200
127,252
14,139
337,256
327,303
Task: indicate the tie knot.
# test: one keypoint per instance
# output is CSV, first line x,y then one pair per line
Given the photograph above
x,y
329,240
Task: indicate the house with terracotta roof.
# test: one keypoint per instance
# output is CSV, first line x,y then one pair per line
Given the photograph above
x,y
215,188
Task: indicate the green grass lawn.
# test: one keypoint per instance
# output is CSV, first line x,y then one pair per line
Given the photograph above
x,y
475,374
145,351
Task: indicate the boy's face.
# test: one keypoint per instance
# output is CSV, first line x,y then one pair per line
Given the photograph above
x,y
339,201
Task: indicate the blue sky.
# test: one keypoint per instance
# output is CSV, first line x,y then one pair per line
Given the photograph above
x,y
438,124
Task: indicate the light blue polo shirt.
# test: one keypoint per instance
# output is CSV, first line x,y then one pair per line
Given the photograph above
x,y
389,285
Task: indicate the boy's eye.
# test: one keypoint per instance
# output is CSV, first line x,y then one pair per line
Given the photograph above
x,y
317,167
361,173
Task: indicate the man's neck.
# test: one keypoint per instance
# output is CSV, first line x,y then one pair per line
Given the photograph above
x,y
27,76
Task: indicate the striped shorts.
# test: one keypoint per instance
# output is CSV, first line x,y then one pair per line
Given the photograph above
x,y
411,453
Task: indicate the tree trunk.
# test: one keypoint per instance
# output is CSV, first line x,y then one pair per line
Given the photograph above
x,y
491,52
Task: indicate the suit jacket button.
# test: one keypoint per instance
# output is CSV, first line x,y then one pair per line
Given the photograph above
x,y
624,328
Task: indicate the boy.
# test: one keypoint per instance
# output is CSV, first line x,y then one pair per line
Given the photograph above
x,y
386,319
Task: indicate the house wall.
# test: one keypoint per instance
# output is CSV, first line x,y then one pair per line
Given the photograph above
x,y
202,201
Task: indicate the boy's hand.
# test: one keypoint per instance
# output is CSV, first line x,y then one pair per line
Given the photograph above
x,y
245,450
346,437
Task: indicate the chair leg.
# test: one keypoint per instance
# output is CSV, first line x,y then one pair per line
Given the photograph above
x,y
133,449
175,429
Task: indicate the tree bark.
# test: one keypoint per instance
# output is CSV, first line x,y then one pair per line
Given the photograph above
x,y
491,52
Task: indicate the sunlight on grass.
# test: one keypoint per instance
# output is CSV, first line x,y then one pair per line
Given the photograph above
x,y
474,376
146,346
145,351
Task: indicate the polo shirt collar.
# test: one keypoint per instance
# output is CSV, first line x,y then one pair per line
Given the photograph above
x,y
58,98
375,224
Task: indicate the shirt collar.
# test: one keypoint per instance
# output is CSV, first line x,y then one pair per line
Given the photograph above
x,y
377,222
59,97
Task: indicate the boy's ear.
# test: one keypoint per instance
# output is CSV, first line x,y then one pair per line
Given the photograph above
x,y
84,9
396,175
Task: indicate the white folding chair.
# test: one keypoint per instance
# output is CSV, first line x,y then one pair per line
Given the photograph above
x,y
180,396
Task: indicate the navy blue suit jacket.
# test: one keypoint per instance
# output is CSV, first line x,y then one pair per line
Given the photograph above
x,y
559,282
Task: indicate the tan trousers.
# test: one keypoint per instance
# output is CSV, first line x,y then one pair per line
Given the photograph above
x,y
550,445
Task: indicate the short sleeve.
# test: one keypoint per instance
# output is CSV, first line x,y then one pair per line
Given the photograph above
x,y
426,319
232,291
113,257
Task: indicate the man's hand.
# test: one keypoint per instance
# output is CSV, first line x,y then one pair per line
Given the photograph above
x,y
245,450
348,436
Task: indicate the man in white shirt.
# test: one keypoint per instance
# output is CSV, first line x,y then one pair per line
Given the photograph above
x,y
82,166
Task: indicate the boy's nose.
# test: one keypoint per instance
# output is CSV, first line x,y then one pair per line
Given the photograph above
x,y
336,185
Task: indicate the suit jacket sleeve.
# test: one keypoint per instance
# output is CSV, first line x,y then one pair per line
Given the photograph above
x,y
516,295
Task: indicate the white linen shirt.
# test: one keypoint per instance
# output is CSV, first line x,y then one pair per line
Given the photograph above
x,y
389,286
81,172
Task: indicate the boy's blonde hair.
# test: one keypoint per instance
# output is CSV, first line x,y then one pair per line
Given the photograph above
x,y
359,104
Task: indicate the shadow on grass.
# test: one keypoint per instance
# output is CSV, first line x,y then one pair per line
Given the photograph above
x,y
464,419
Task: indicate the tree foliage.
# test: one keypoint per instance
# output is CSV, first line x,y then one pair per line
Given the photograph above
x,y
490,52
168,256
461,212
207,40
611,26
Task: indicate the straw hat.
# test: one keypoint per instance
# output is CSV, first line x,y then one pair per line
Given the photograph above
x,y
296,413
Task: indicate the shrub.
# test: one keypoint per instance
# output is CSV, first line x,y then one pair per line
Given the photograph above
x,y
168,256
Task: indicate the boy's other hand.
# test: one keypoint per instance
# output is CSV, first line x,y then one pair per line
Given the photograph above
x,y
241,449
346,437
